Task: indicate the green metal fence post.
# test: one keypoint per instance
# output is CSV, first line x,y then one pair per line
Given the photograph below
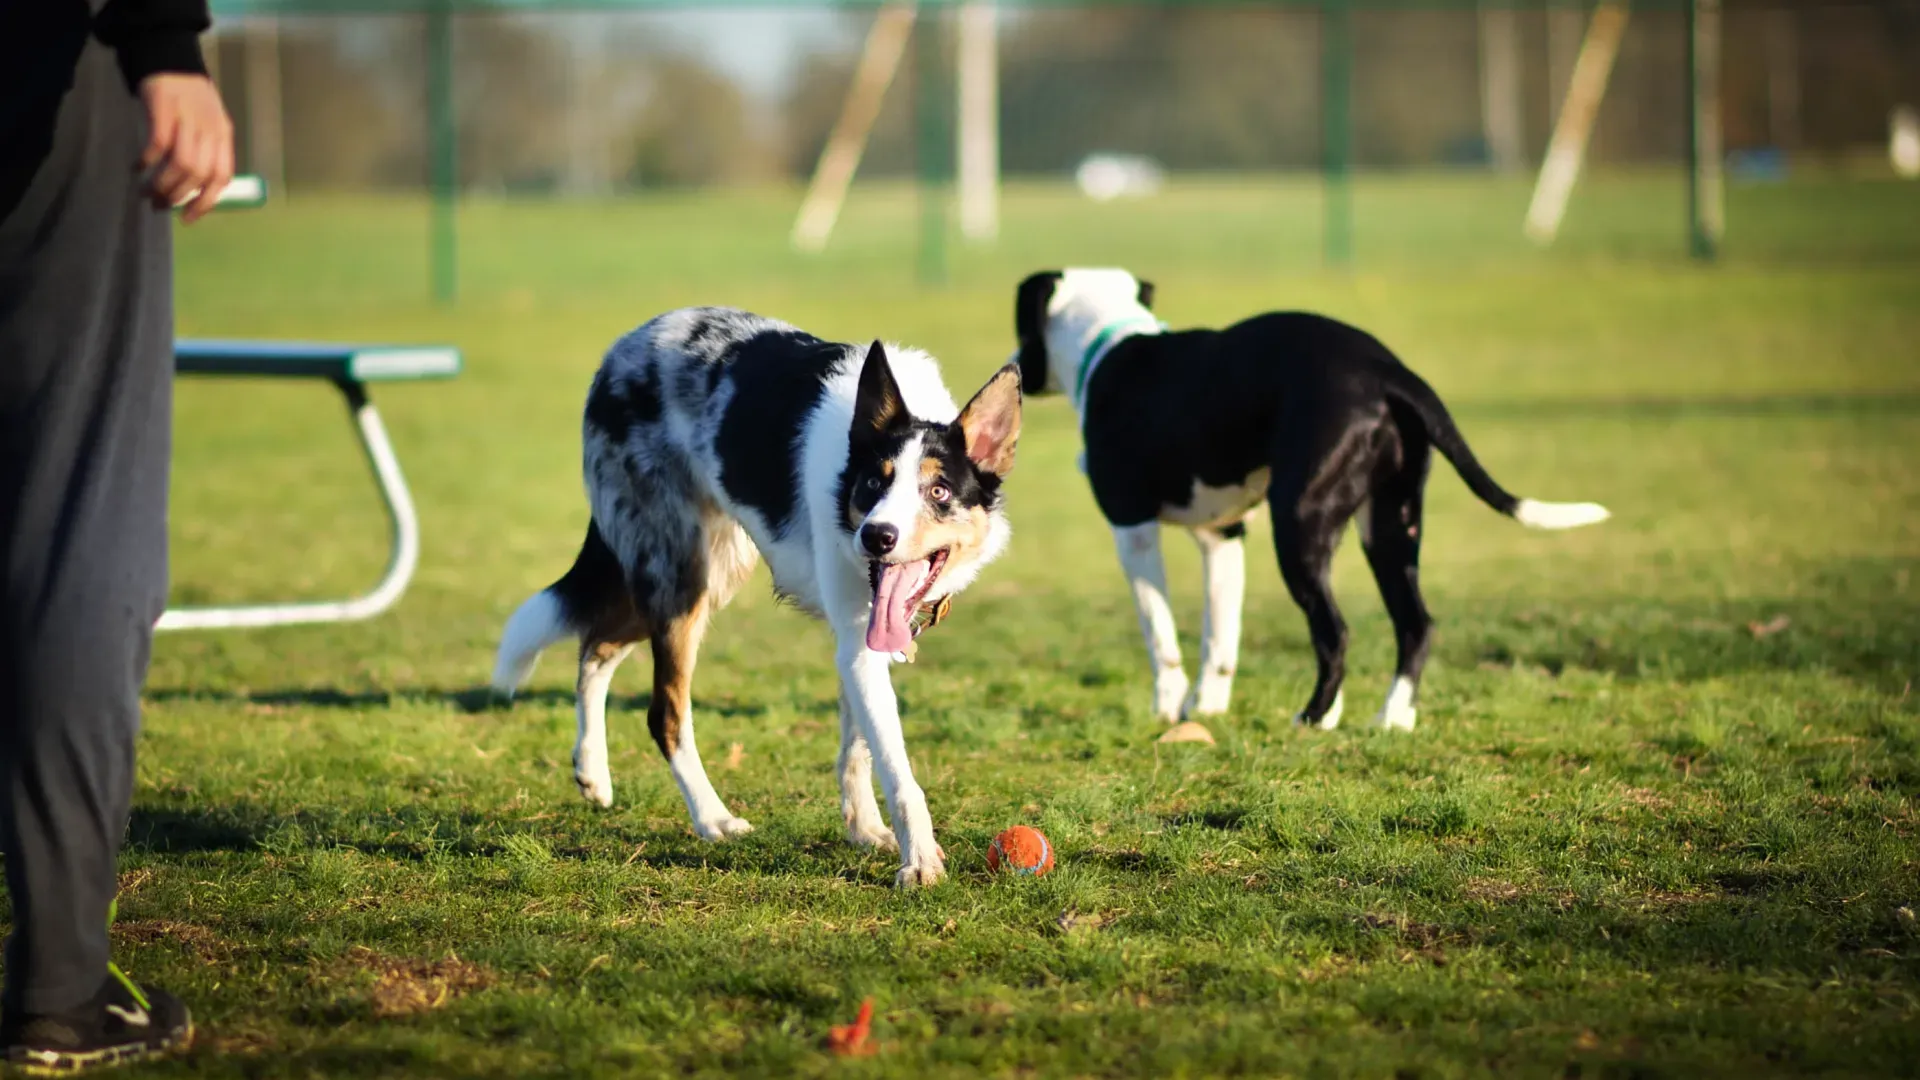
x,y
1336,131
442,163
935,140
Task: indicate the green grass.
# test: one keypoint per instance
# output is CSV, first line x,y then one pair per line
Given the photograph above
x,y
1630,837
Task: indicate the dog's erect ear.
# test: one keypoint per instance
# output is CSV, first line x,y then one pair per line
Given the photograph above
x,y
991,422
1030,328
877,405
1146,295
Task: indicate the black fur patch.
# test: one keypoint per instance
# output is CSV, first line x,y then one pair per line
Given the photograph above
x,y
1233,530
616,408
779,377
1030,328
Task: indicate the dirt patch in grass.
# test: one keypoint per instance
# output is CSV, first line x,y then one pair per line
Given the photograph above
x,y
205,945
405,987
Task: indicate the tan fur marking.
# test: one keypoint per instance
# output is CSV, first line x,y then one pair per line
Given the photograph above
x,y
930,470
963,530
676,647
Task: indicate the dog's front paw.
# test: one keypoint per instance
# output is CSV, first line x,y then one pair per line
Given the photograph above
x,y
921,871
871,835
1169,693
726,828
596,784
1209,697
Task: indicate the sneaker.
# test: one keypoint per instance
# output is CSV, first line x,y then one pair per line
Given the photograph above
x,y
121,1023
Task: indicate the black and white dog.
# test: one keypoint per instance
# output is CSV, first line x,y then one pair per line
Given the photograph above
x,y
1199,427
711,434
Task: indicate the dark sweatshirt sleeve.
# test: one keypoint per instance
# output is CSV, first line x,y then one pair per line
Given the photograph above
x,y
153,36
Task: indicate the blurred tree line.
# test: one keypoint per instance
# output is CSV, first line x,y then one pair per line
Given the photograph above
x,y
601,102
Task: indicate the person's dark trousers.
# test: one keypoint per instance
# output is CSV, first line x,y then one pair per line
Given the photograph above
x,y
86,347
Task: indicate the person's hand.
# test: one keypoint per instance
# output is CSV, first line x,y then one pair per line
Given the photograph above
x,y
191,148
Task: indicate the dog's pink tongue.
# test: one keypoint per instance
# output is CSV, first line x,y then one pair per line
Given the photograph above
x,y
887,629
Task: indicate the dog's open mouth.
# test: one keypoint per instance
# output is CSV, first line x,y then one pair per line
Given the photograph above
x,y
898,589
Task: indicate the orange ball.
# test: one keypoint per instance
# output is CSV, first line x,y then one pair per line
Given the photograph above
x,y
1022,850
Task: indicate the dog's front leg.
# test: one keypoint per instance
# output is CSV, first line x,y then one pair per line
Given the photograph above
x,y
857,806
1223,556
868,687
1139,547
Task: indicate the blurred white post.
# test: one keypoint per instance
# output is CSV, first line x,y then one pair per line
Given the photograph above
x,y
1500,120
979,129
1707,188
879,60
1568,148
266,142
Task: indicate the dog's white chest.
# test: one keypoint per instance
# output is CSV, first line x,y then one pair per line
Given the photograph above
x,y
1209,506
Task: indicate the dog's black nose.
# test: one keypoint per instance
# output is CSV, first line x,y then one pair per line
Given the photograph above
x,y
879,539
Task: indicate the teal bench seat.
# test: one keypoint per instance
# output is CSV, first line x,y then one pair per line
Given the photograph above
x,y
350,368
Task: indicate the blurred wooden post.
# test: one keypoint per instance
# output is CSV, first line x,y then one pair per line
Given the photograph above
x,y
1706,187
840,159
1500,120
266,142
979,147
1568,148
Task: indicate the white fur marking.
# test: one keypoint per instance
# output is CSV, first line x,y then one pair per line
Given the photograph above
x,y
1225,562
590,769
1139,547
1535,514
877,712
865,827
1398,713
711,818
1211,506
537,624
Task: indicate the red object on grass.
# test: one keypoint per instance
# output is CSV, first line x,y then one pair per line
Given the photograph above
x,y
1021,849
850,1040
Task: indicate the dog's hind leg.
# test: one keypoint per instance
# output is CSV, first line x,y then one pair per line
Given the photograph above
x,y
676,646
858,807
606,642
1390,534
1318,482
1223,556
1139,547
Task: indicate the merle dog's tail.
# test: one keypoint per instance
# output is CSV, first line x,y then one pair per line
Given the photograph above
x,y
559,611
1404,386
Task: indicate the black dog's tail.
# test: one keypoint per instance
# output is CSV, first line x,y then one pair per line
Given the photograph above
x,y
1411,390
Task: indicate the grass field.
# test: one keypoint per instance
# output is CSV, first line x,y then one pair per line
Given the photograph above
x,y
1634,835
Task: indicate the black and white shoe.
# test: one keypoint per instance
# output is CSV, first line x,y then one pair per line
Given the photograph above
x,y
121,1023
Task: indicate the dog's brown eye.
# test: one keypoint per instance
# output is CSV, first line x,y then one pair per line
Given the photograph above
x,y
940,493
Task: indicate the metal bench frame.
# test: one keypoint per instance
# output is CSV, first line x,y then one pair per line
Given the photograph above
x,y
348,368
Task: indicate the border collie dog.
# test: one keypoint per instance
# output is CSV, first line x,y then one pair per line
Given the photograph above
x,y
712,435
1199,427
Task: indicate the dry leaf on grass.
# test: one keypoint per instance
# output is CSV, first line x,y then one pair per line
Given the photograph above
x,y
1188,732
735,755
1770,627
